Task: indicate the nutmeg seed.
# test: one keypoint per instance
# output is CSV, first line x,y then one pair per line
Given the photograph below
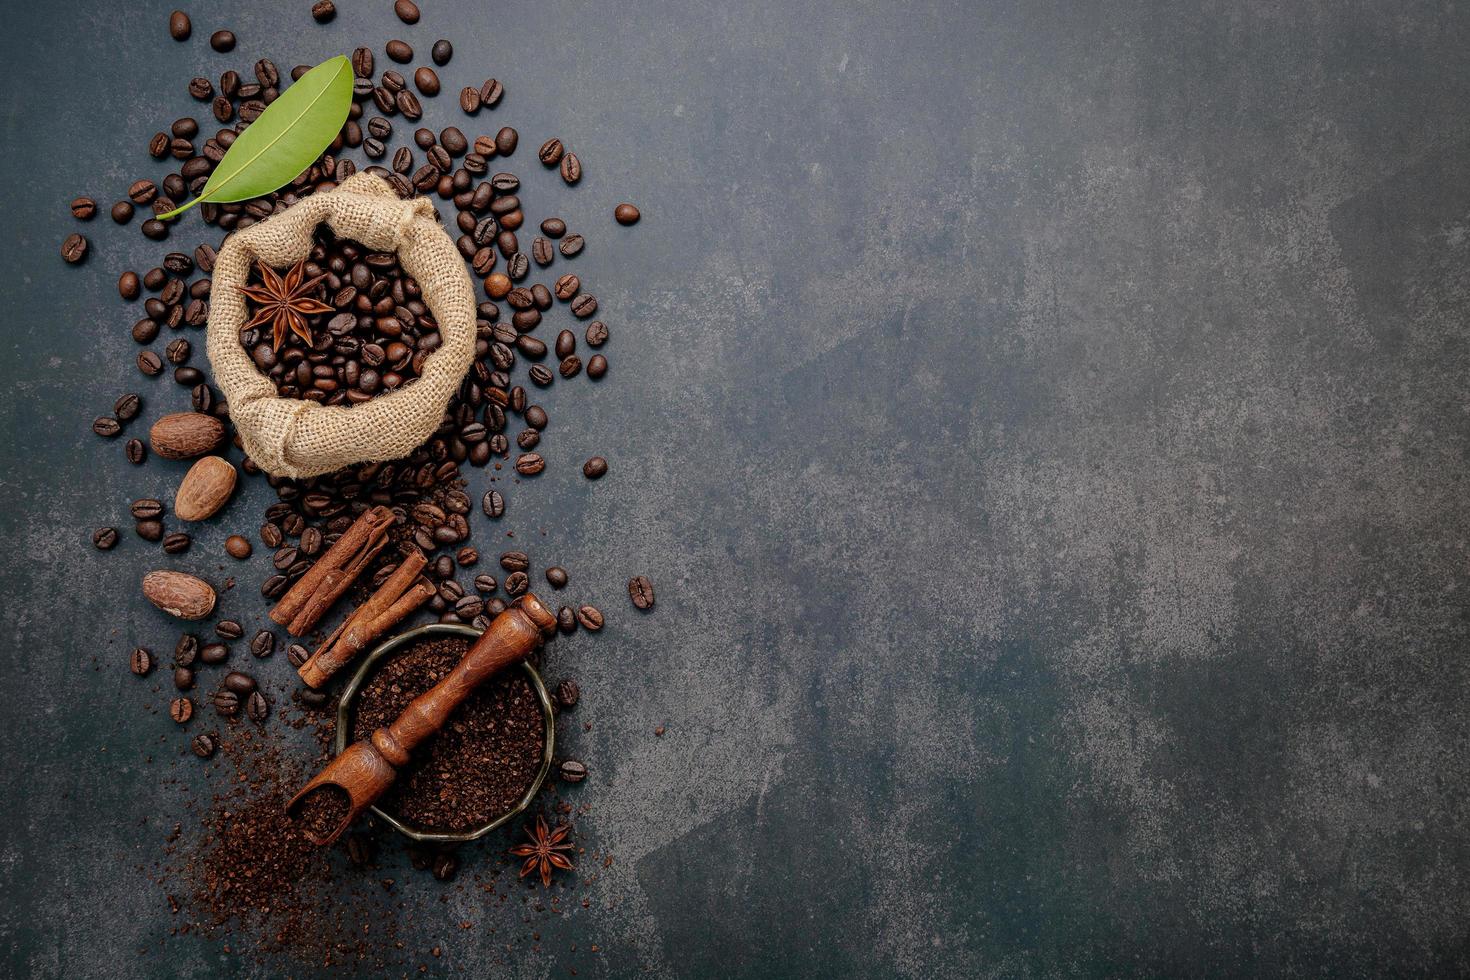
x,y
179,594
205,489
184,435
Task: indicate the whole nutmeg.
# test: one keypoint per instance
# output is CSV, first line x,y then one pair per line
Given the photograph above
x,y
184,435
205,489
179,594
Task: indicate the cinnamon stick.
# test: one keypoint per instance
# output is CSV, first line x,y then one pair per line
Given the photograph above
x,y
313,594
403,592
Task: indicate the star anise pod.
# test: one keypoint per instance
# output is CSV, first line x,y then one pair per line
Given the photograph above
x,y
285,302
544,852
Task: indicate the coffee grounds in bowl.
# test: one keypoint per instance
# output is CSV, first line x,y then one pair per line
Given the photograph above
x,y
480,763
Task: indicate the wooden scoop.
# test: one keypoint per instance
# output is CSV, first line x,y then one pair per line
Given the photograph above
x,y
366,769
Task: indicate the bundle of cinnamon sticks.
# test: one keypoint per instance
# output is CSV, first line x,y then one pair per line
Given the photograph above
x,y
303,606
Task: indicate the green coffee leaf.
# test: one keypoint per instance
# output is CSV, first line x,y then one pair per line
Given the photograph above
x,y
285,139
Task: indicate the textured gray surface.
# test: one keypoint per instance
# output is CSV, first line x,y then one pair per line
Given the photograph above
x,y
1044,424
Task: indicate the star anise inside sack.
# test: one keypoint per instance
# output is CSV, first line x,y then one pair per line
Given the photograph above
x,y
285,302
544,852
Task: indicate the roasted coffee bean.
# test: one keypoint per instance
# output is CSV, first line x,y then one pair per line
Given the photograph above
x,y
626,214
104,538
257,707
486,584
359,848
640,590
426,80
155,229
183,678
135,451
453,140
468,607
214,653
186,651
567,692
399,51
270,535
74,248
595,468
536,417
314,699
572,771
379,127
526,344
150,363
584,305
222,41
323,11
571,168
226,703
83,208
515,561
516,266
467,557
229,629
362,62
297,655
551,152
409,105
122,212
596,366
141,661
570,366
506,140
572,245
407,11
567,286
528,439
439,159
469,100
127,407
176,543
203,745
146,509
590,617
566,620
240,683
444,868
529,464
490,93
540,375
237,546
129,285
149,530
267,74
556,577
542,251
553,227
493,504
179,27
181,709
178,351
517,583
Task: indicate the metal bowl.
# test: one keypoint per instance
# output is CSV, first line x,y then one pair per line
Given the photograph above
x,y
386,650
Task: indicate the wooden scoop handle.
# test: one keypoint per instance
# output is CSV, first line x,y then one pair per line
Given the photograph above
x,y
511,636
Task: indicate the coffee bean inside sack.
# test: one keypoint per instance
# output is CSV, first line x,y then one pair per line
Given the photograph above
x,y
340,327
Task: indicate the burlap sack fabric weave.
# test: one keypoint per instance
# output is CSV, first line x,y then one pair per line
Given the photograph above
x,y
298,438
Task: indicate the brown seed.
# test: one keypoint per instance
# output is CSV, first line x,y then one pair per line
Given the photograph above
x,y
238,546
222,41
407,11
556,577
179,594
399,51
595,468
257,707
323,11
590,617
179,26
74,248
498,285
104,538
596,366
141,661
567,692
83,208
203,745
427,81
506,140
181,709
571,168
626,214
573,771
640,590
551,151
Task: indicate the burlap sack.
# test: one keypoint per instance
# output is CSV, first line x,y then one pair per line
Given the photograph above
x,y
297,438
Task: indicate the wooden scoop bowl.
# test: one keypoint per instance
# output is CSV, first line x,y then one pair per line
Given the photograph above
x,y
365,770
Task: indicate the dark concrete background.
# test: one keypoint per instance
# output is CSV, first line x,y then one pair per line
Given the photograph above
x,y
1044,423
